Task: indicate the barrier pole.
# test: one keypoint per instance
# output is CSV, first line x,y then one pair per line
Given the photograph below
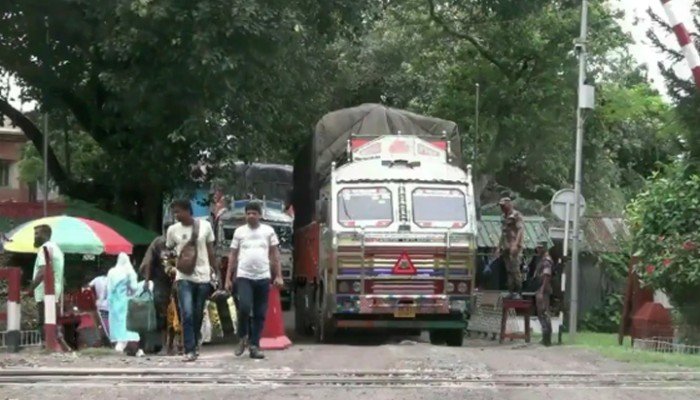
x,y
50,305
13,336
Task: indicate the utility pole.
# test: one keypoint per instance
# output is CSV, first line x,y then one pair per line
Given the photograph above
x,y
475,150
584,101
46,163
46,136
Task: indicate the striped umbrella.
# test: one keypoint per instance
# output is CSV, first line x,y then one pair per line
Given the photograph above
x,y
71,234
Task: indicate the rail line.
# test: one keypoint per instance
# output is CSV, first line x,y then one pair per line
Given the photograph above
x,y
347,379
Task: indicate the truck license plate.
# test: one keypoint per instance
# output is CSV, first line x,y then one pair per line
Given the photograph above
x,y
405,312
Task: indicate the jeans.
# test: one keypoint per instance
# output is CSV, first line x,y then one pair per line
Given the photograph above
x,y
252,304
192,297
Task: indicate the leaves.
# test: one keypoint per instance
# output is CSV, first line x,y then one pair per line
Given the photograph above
x,y
682,90
428,56
159,86
665,218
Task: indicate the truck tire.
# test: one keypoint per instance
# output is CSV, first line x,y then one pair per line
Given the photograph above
x,y
454,337
437,337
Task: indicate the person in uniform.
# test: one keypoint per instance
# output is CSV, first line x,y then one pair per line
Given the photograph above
x,y
511,246
543,280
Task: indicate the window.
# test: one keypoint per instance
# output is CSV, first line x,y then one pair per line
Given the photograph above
x,y
365,207
228,233
439,207
5,173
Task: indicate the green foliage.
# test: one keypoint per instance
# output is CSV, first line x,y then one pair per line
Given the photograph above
x,y
521,56
160,86
31,168
665,223
147,89
681,89
606,317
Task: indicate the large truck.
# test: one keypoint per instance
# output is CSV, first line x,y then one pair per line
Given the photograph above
x,y
270,184
385,226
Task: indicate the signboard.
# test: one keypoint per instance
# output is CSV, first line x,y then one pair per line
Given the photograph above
x,y
563,199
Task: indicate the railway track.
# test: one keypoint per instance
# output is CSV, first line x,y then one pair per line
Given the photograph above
x,y
174,377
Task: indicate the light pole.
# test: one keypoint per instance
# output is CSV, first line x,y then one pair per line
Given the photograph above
x,y
475,150
46,138
585,100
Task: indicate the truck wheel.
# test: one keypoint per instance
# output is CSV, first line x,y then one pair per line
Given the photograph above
x,y
454,337
437,337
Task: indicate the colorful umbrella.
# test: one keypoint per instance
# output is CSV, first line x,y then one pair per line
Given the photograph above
x,y
72,235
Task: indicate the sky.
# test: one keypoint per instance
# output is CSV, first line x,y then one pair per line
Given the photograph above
x,y
642,50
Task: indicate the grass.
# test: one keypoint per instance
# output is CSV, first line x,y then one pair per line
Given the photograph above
x,y
606,344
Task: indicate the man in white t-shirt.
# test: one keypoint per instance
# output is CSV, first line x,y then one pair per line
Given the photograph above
x,y
253,248
194,289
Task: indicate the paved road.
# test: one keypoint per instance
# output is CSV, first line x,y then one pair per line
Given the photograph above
x,y
358,367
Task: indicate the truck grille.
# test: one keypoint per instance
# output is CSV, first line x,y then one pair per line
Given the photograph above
x,y
427,263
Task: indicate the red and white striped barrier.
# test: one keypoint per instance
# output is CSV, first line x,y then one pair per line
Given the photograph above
x,y
50,332
684,39
13,336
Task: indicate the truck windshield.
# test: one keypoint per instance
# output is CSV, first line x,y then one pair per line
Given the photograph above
x,y
284,234
365,206
439,207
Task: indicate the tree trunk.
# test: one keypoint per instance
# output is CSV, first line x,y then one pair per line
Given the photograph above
x,y
151,207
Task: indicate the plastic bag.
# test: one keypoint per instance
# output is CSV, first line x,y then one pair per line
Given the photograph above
x,y
217,331
233,312
141,314
206,326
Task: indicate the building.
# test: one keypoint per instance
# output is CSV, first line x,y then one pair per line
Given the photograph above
x,y
12,141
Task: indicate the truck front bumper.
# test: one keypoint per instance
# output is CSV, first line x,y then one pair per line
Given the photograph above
x,y
410,312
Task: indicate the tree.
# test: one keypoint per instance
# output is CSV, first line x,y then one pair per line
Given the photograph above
x,y
665,225
428,55
160,86
683,92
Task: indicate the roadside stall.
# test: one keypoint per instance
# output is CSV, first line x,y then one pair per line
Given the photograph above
x,y
93,243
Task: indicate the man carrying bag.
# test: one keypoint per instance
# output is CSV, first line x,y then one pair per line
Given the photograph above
x,y
193,241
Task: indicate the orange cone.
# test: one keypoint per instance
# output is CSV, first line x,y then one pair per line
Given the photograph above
x,y
273,335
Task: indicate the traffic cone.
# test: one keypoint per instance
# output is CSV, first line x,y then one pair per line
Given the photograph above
x,y
273,335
